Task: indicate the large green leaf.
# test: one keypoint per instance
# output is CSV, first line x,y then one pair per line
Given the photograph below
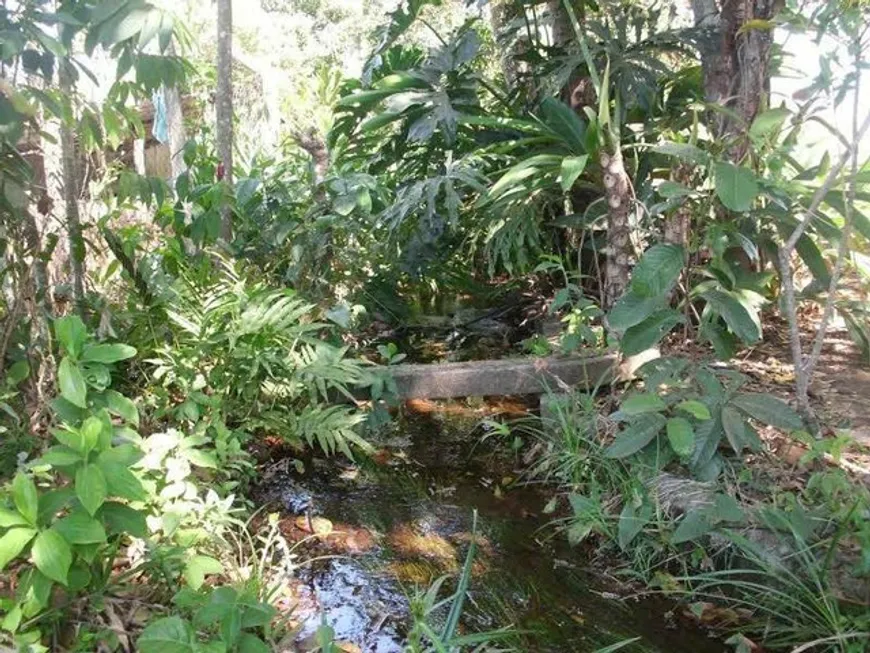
x,y
121,482
769,410
638,404
632,519
71,333
812,256
633,309
107,353
198,567
707,437
91,487
249,643
80,528
681,435
642,336
565,123
25,496
121,406
72,383
572,168
521,171
168,635
695,408
9,518
735,428
740,318
639,433
12,544
695,524
658,270
767,122
683,151
52,555
120,518
736,186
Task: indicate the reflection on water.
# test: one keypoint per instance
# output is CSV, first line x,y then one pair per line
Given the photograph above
x,y
390,528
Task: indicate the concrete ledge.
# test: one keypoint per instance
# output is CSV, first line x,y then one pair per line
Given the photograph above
x,y
512,376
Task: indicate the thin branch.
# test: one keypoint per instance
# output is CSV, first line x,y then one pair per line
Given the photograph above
x,y
843,250
825,188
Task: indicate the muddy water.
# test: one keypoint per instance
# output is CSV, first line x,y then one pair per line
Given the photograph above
x,y
392,525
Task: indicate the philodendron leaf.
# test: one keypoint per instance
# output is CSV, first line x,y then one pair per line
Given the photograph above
x,y
72,383
52,555
768,410
736,186
639,433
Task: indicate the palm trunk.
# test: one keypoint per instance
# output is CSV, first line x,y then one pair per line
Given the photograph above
x,y
620,253
69,156
224,105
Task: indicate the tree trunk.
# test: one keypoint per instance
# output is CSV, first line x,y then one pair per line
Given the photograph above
x,y
71,191
560,23
224,105
736,63
620,253
678,223
502,16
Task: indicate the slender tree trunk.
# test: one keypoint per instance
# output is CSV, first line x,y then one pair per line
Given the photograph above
x,y
620,253
224,105
678,223
71,191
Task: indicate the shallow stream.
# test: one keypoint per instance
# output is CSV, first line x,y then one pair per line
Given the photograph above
x,y
393,525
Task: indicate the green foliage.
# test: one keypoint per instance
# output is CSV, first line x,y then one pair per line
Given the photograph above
x,y
66,514
219,617
687,419
250,358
